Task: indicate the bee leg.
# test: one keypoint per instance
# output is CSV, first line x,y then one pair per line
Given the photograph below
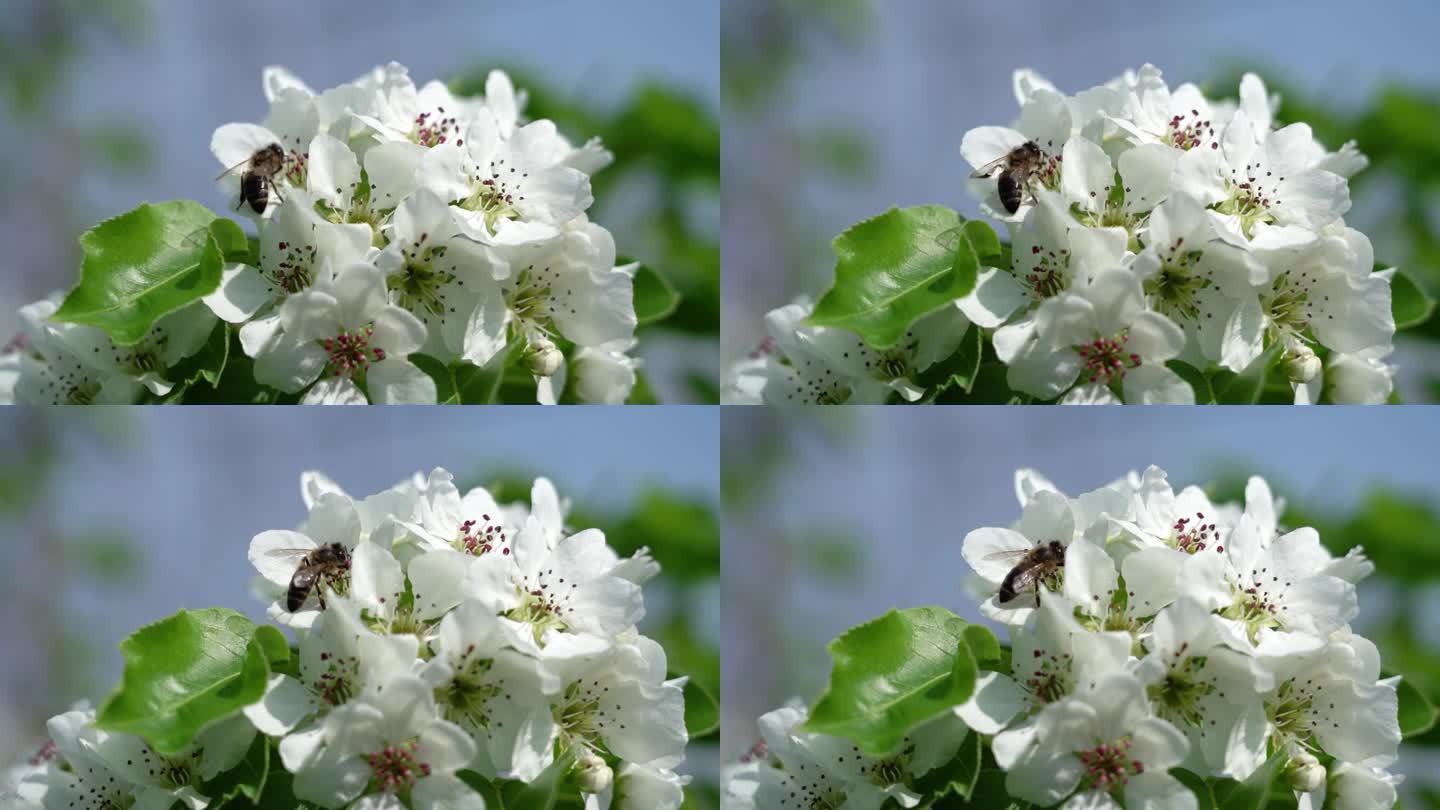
x,y
320,592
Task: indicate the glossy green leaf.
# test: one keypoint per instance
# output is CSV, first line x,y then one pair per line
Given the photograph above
x,y
1409,302
1198,382
983,644
484,787
1253,793
246,779
957,777
655,297
1244,388
959,371
185,672
897,267
146,263
1417,713
480,385
1204,797
892,674
546,792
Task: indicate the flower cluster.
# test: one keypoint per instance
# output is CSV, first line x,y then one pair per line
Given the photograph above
x,y
1147,225
392,221
437,631
1169,631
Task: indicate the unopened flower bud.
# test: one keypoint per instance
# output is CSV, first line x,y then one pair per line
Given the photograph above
x,y
592,775
1305,773
1301,364
543,356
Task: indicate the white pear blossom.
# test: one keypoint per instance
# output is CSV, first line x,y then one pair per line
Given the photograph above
x,y
1207,241
342,331
473,218
1165,630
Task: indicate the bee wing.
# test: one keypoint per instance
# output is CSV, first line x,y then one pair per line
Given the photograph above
x,y
232,169
287,553
989,168
1014,554
1028,579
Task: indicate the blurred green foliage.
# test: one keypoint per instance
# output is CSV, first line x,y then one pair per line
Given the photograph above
x,y
667,153
682,533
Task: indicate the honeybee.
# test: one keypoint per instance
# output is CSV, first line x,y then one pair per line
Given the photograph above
x,y
1033,566
257,181
1015,167
324,565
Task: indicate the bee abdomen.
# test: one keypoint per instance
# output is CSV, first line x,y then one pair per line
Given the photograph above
x,y
253,191
1007,588
299,589
1011,192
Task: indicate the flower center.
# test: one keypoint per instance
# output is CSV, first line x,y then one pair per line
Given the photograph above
x,y
434,128
1174,291
1288,306
1051,680
537,296
496,190
578,716
1187,131
1290,710
466,698
292,273
1049,275
420,286
1108,765
1251,197
1177,696
351,352
336,683
297,168
395,768
1106,359
1260,604
540,605
1193,537
45,754
481,537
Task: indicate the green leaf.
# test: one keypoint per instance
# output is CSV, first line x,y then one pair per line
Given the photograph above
x,y
1204,798
206,365
547,789
1409,302
959,775
484,787
1244,388
655,298
1197,380
1417,713
1253,793
959,371
146,263
245,779
892,674
983,644
480,385
702,711
897,267
443,376
185,672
